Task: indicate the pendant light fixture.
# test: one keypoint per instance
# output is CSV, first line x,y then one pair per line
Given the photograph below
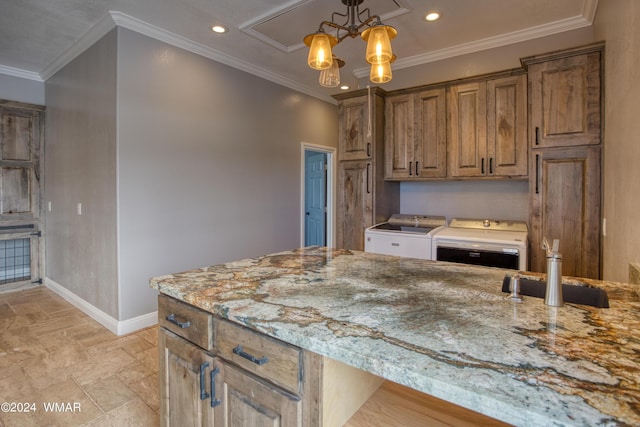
x,y
356,22
381,72
330,77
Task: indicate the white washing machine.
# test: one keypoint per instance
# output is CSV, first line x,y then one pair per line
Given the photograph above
x,y
490,243
404,235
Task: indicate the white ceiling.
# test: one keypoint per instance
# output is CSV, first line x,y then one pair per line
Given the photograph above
x,y
37,37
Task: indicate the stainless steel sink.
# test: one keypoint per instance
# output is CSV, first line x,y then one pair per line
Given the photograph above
x,y
575,294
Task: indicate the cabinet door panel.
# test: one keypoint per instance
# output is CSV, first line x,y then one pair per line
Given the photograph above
x,y
180,382
15,190
431,134
507,126
468,130
566,206
566,101
17,132
353,129
247,401
355,206
399,137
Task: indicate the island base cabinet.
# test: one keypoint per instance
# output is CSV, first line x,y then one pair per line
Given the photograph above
x,y
198,389
246,401
201,387
181,381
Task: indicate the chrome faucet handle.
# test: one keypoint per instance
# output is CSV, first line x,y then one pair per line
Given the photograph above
x,y
515,289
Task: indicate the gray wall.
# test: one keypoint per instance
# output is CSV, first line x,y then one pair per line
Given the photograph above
x,y
208,163
80,167
187,161
618,22
22,90
505,200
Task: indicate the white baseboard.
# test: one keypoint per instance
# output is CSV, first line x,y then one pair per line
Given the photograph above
x,y
118,327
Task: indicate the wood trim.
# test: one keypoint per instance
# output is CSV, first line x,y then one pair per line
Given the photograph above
x,y
552,56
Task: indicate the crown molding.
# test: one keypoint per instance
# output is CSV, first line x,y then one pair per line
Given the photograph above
x,y
573,23
17,72
144,28
589,10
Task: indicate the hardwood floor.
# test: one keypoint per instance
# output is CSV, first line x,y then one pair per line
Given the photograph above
x,y
52,353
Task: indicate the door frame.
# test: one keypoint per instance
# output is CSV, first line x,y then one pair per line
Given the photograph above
x,y
331,159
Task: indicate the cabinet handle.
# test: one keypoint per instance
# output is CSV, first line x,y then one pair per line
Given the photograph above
x,y
214,401
482,166
172,318
203,394
368,167
258,361
490,165
417,168
537,135
537,172
368,149
410,168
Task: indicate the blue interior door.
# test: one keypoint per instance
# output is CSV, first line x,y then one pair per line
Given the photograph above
x,y
315,196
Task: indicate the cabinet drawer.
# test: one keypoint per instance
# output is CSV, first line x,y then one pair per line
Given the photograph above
x,y
186,321
270,359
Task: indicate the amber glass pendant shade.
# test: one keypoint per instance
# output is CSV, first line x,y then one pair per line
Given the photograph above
x,y
380,73
378,40
320,44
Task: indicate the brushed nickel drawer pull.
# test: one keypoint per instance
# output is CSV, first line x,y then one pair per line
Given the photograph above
x,y
172,318
261,361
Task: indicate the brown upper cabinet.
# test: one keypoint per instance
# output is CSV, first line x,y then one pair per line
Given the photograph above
x,y
507,126
468,130
472,128
355,128
565,98
416,135
488,128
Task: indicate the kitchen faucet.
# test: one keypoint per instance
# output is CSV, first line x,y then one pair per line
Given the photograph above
x,y
553,294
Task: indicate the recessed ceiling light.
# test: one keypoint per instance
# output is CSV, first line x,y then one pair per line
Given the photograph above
x,y
344,87
219,29
432,16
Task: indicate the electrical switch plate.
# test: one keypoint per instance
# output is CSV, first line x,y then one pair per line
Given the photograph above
x,y
79,208
49,206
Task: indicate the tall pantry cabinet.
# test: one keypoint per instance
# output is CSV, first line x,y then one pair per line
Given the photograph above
x,y
565,110
363,197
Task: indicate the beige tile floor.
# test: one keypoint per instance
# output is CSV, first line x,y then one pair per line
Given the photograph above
x,y
50,352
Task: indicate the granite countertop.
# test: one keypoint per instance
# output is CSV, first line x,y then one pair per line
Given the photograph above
x,y
444,329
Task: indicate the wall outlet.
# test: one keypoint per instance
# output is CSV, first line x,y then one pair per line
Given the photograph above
x,y
49,206
79,208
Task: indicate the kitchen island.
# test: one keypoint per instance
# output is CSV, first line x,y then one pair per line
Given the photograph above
x,y
442,329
